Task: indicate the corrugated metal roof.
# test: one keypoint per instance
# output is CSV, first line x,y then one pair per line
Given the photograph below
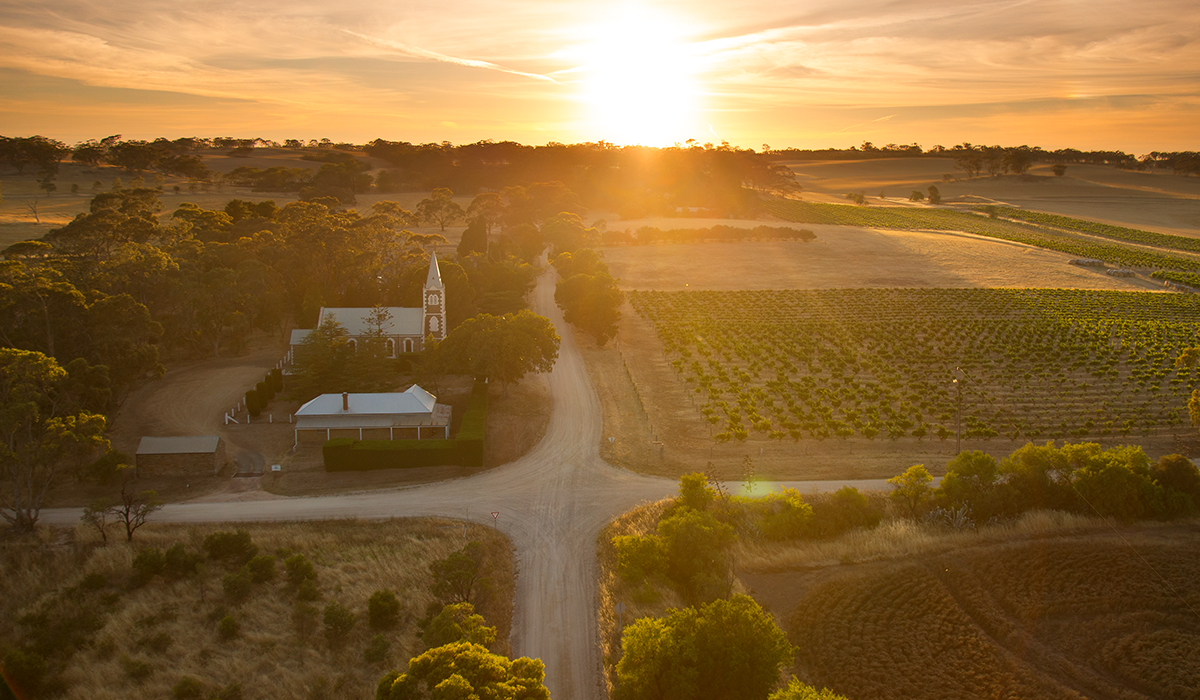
x,y
181,445
404,321
299,336
413,401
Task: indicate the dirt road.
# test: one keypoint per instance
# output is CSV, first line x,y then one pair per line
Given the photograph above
x,y
552,503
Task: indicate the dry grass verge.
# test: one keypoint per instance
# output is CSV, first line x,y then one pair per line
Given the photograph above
x,y
148,637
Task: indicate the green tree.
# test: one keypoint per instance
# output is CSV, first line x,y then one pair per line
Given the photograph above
x,y
322,361
972,479
1038,476
501,348
911,490
457,577
935,195
458,622
796,690
694,491
488,207
474,238
465,671
43,436
697,549
725,650
592,303
439,208
1059,170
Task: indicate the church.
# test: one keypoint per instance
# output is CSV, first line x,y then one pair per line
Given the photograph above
x,y
407,328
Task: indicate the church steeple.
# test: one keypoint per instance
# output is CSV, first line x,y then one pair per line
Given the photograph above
x,y
434,299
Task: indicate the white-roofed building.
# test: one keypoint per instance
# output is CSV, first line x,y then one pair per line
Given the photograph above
x,y
407,415
407,328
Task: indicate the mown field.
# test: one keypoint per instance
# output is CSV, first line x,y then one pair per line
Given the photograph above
x,y
980,224
879,363
1102,617
102,626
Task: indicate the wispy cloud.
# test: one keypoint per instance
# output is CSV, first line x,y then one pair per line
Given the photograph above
x,y
418,52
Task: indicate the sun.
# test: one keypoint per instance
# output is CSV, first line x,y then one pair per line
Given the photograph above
x,y
639,79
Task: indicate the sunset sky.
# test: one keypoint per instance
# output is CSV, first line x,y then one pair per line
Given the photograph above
x,y
1090,74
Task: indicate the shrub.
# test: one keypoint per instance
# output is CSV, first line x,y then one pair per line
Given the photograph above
x,y
639,558
237,547
377,649
308,590
237,586
845,510
253,407
147,564
179,562
261,568
383,610
696,544
787,517
298,569
136,669
339,620
304,619
188,688
694,491
228,628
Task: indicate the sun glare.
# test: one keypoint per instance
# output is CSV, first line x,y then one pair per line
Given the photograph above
x,y
638,79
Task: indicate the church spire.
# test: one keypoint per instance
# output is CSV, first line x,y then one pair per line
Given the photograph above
x,y
434,280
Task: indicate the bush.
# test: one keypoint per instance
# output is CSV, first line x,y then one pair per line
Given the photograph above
x,y
136,669
308,590
228,628
458,623
261,568
179,562
788,516
694,491
188,688
639,558
696,544
377,649
253,407
339,620
298,569
237,586
264,393
147,564
456,577
845,510
236,547
383,610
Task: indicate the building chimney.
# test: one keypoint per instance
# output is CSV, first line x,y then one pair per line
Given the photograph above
x,y
345,401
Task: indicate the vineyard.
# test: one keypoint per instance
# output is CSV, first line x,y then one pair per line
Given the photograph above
x,y
967,222
1045,619
1092,228
879,363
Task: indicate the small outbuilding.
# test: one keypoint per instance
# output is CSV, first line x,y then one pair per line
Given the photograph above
x,y
194,455
414,414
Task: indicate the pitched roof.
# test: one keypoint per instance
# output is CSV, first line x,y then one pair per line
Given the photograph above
x,y
434,279
181,445
404,320
413,401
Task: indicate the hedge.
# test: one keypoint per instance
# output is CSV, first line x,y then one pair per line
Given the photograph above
x,y
464,450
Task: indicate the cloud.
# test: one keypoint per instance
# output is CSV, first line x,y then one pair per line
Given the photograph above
x,y
418,52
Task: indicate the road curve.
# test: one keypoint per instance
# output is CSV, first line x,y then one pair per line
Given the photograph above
x,y
552,503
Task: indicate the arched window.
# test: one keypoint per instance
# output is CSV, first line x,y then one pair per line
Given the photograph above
x,y
353,344
391,347
434,324
408,345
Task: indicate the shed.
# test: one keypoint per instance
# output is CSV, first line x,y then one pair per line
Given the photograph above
x,y
405,415
190,455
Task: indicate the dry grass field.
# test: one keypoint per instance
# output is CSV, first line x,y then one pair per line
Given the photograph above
x,y
1156,201
139,641
1045,610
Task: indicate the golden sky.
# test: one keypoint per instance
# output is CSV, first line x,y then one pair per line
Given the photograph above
x,y
1089,74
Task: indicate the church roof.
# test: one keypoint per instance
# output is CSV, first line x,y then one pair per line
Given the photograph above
x,y
404,320
434,280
